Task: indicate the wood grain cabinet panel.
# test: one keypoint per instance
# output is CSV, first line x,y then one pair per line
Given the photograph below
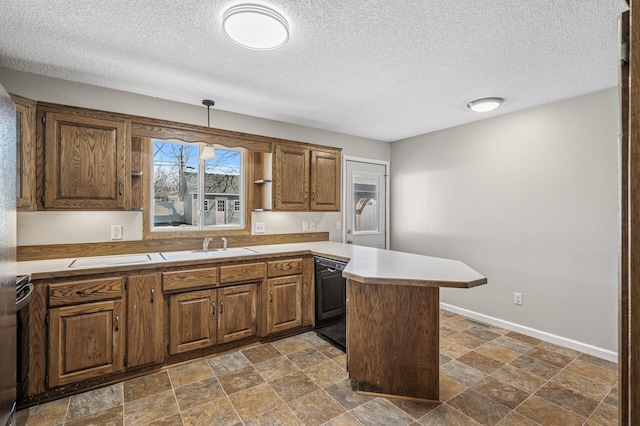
x,y
238,312
86,162
84,291
190,278
284,309
144,320
306,178
240,273
281,268
291,178
26,154
193,320
325,181
85,341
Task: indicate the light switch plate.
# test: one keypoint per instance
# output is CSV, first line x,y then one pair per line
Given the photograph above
x,y
305,226
312,226
259,228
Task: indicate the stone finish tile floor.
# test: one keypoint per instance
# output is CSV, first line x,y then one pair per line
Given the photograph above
x,y
488,376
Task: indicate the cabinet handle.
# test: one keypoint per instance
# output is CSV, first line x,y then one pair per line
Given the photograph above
x,y
152,294
313,196
120,187
221,307
87,293
117,322
213,306
270,296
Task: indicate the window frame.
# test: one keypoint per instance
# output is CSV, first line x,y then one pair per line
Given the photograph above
x,y
149,129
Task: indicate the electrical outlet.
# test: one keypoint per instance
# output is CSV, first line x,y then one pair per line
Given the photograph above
x,y
116,232
339,225
259,227
305,226
312,226
517,298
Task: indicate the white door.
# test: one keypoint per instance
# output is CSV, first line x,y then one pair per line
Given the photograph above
x,y
366,204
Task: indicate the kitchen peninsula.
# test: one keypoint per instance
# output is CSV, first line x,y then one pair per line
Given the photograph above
x,y
393,309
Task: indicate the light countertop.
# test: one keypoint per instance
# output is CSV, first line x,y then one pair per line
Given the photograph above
x,y
366,264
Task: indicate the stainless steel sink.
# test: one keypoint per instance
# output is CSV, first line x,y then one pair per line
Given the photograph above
x,y
99,261
209,254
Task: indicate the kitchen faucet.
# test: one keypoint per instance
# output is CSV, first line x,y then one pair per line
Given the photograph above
x,y
224,243
205,243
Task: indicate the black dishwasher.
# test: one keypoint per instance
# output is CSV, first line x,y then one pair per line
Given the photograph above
x,y
331,296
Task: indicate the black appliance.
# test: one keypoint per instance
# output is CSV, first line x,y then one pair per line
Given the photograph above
x,y
331,297
8,172
24,291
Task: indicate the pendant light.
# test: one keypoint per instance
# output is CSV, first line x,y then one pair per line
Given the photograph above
x,y
208,152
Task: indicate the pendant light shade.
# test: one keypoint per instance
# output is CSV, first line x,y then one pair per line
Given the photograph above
x,y
208,153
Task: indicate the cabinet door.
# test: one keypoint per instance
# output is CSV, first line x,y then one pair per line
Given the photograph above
x,y
237,316
85,162
192,320
291,178
25,154
284,309
85,341
325,181
144,320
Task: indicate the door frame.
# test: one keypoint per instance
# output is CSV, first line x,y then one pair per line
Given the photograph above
x,y
343,214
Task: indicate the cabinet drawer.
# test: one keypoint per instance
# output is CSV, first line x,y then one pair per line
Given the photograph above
x,y
281,268
191,278
84,291
237,273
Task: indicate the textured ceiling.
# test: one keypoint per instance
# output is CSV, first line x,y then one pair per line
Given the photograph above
x,y
380,69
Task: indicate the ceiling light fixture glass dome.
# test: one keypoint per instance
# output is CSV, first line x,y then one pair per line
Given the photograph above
x,y
485,104
255,27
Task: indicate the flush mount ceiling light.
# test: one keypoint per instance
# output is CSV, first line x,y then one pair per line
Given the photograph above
x,y
256,27
485,104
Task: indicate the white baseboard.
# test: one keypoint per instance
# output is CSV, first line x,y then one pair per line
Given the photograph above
x,y
542,335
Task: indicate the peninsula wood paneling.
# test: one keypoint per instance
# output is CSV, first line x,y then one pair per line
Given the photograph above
x,y
393,339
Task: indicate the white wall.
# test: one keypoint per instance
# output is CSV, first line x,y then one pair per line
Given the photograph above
x,y
72,227
528,199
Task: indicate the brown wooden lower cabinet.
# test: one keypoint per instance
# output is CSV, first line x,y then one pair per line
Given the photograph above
x,y
284,309
207,317
144,320
238,312
85,341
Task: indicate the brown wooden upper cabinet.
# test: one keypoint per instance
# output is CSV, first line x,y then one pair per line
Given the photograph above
x,y
26,154
86,160
306,178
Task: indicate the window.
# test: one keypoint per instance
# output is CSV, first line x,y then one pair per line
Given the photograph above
x,y
190,193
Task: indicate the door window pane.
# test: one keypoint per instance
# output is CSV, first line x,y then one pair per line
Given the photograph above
x,y
366,218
